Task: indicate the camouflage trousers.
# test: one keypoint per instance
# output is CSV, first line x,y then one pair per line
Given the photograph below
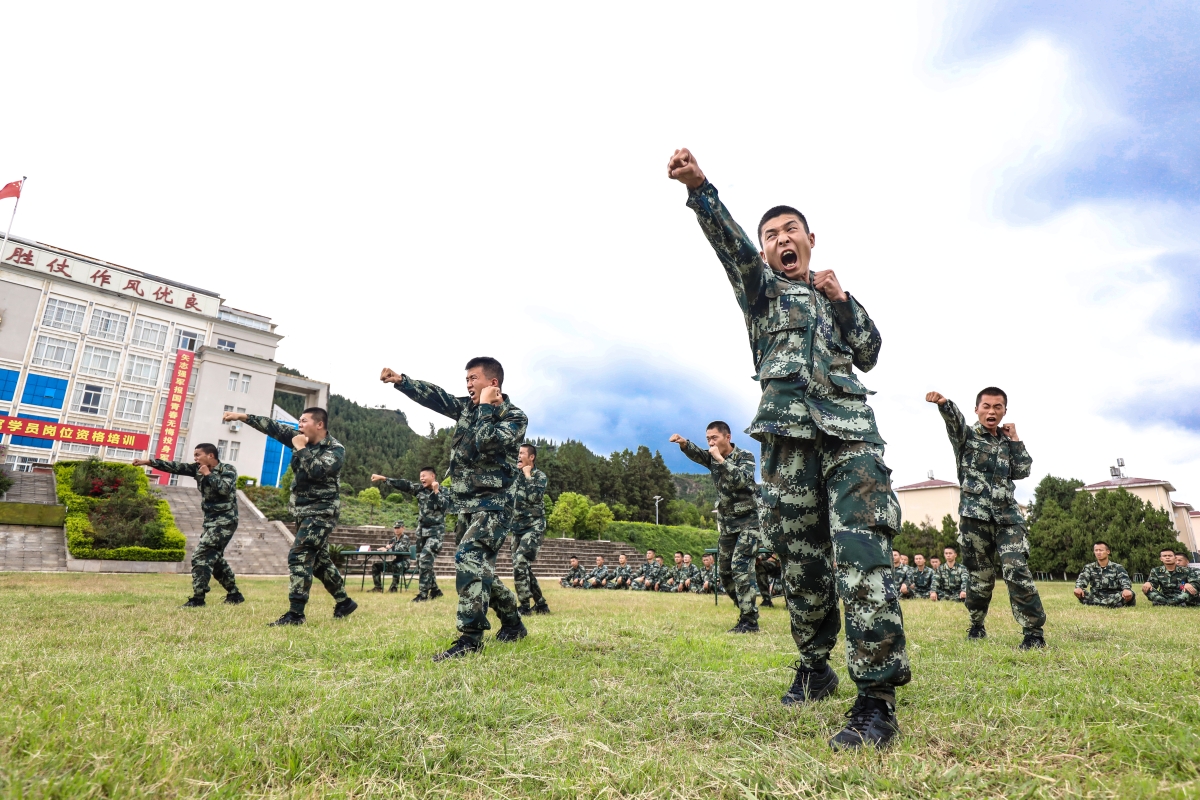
x,y
429,544
767,575
1106,599
985,545
525,546
309,557
393,568
209,559
483,533
737,549
1158,598
830,515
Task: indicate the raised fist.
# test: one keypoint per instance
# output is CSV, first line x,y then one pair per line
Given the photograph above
x,y
935,397
491,394
378,477
299,441
389,376
682,167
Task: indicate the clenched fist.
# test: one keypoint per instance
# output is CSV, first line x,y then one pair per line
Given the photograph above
x,y
378,477
935,397
389,376
299,441
491,394
233,416
682,167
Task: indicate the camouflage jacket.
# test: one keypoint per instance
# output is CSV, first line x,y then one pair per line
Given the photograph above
x,y
621,571
398,544
658,574
803,344
218,489
987,466
484,450
316,469
737,492
574,574
431,505
688,572
644,570
1104,580
599,573
950,580
528,498
1169,584
922,580
902,574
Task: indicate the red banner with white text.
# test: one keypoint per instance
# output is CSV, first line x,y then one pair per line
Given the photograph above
x,y
168,432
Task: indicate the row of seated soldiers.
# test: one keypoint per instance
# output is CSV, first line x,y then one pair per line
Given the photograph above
x,y
1101,583
684,576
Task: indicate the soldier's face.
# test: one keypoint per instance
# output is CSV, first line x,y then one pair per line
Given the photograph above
x,y
524,458
935,563
1168,559
427,479
678,560
687,559
574,562
658,560
950,555
721,441
621,560
476,381
1100,552
311,429
920,561
787,248
1181,560
904,560
649,555
205,459
895,558
990,411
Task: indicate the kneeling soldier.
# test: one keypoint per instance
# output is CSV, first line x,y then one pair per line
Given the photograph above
x,y
598,577
399,543
217,483
1103,582
621,574
574,577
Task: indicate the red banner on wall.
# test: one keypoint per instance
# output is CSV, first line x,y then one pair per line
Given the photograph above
x,y
80,434
168,432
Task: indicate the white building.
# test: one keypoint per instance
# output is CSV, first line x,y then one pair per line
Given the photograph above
x,y
84,342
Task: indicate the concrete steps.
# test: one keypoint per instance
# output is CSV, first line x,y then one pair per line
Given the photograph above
x,y
258,547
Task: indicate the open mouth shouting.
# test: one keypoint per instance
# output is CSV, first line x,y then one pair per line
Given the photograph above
x,y
788,258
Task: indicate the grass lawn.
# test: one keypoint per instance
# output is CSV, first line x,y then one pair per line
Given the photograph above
x,y
108,689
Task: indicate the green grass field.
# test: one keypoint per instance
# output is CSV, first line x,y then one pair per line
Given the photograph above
x,y
107,689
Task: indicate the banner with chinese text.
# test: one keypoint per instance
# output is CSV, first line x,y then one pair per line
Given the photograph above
x,y
168,433
79,434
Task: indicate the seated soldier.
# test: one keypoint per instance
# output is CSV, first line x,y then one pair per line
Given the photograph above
x,y
768,573
395,565
669,578
1181,562
902,575
598,577
951,579
687,574
934,563
922,578
659,576
706,579
574,577
904,560
1103,582
621,574
1168,584
641,576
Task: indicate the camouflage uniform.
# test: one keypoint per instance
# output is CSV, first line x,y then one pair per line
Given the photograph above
x,y
922,581
431,529
686,573
737,505
645,571
483,466
903,577
1103,585
598,574
315,503
830,511
394,565
218,501
620,571
991,530
573,574
529,530
949,582
666,578
768,574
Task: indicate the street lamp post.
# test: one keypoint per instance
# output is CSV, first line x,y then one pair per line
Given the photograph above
x,y
656,501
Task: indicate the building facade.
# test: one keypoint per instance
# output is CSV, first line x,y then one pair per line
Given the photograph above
x,y
928,501
84,342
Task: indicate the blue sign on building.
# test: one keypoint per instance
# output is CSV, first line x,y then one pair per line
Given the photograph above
x,y
277,458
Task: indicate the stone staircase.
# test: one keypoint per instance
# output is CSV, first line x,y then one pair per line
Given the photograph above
x,y
258,547
39,548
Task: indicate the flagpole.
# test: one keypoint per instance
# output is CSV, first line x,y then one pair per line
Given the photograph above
x,y
14,216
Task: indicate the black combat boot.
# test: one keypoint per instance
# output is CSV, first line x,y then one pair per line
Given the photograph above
x,y
541,608
977,632
435,594
1032,641
375,589
524,609
745,625
511,633
290,618
871,722
234,599
420,598
766,602
462,647
344,609
394,588
194,602
811,685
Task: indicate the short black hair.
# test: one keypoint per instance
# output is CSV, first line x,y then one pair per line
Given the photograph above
x,y
318,415
428,469
532,448
950,547
679,552
779,211
994,391
574,558
719,427
491,368
1101,541
651,550
207,448
1170,550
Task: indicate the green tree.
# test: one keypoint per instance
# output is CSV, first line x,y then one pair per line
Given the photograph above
x,y
569,514
1133,528
681,512
1061,490
1053,537
371,497
598,518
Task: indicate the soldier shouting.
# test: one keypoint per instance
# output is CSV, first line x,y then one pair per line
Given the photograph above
x,y
830,511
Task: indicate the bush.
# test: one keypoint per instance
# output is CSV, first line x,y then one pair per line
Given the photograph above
x,y
569,517
665,539
118,517
246,480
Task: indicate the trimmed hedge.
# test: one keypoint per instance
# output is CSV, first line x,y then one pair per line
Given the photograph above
x,y
80,543
665,539
31,514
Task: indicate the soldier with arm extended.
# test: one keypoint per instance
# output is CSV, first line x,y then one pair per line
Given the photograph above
x,y
217,483
991,529
316,463
830,510
488,433
432,503
529,530
732,470
1104,582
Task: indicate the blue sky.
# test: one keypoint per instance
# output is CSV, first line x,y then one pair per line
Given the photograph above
x,y
1011,191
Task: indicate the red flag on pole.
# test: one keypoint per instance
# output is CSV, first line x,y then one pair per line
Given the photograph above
x,y
11,190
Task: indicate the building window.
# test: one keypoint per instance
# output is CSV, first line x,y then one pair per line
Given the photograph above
x,y
108,325
139,369
187,414
134,406
234,448
186,340
29,441
222,446
23,463
245,383
170,374
79,449
99,361
8,383
124,453
63,315
225,344
91,399
152,335
54,353
42,390
242,319
233,380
